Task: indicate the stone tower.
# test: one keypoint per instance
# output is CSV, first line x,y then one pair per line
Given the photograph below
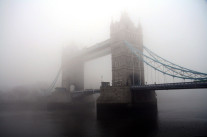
x,y
127,69
72,69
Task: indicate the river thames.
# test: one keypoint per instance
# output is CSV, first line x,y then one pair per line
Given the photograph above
x,y
181,113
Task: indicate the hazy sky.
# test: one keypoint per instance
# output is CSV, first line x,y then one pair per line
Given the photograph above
x,y
33,33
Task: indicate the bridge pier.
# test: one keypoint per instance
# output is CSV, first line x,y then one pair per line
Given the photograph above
x,y
122,102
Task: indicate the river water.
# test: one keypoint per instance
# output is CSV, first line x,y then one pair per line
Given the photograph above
x,y
181,113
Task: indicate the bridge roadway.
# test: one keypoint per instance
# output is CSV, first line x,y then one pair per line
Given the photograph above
x,y
165,86
171,86
84,92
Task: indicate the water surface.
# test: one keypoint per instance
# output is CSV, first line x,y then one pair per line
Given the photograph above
x,y
180,113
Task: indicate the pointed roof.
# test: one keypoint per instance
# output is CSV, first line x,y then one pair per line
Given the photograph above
x,y
112,21
139,26
125,19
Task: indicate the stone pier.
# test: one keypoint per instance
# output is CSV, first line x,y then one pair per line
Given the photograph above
x,y
122,102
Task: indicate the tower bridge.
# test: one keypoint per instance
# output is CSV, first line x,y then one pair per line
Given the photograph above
x,y
128,78
124,72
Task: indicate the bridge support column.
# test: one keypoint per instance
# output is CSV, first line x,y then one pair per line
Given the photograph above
x,y
122,102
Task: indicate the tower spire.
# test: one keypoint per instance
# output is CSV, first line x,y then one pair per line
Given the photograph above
x,y
139,23
139,26
112,20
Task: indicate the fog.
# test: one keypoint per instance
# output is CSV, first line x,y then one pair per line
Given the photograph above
x,y
34,33
103,73
34,36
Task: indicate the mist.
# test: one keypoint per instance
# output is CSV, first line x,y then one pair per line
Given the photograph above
x,y
37,36
34,33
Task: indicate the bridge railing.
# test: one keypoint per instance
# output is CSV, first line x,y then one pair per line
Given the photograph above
x,y
84,92
167,86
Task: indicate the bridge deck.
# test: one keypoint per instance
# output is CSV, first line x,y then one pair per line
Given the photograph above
x,y
171,86
164,86
84,92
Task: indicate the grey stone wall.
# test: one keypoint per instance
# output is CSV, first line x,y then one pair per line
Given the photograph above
x,y
72,70
127,69
114,95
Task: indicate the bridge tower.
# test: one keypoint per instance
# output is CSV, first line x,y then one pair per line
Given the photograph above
x,y
72,69
127,69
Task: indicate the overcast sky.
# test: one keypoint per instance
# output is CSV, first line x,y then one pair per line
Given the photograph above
x,y
34,32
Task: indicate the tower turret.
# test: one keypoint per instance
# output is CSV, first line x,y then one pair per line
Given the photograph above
x,y
140,34
127,69
124,30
